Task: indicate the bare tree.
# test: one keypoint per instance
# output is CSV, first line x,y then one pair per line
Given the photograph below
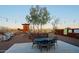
x,y
54,23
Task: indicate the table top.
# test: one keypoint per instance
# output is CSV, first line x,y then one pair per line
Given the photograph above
x,y
40,39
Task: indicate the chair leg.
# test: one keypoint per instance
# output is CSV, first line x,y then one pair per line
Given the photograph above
x,y
47,48
40,47
32,45
56,44
54,47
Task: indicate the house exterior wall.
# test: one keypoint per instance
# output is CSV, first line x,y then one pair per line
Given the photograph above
x,y
59,31
70,34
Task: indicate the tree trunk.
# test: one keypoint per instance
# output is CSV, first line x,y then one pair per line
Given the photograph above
x,y
41,27
38,28
33,28
54,29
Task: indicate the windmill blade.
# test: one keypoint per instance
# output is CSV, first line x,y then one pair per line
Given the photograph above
x,y
15,21
4,18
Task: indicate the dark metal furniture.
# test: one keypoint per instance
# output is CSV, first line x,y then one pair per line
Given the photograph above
x,y
44,42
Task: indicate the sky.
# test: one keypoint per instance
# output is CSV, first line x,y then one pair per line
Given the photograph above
x,y
68,15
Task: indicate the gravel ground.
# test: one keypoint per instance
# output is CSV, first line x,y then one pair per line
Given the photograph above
x,y
21,38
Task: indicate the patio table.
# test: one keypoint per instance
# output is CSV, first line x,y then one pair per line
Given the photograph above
x,y
44,42
41,39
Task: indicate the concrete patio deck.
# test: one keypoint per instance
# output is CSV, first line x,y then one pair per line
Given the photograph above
x,y
61,47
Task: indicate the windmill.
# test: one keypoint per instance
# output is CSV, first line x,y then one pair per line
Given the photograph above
x,y
74,22
6,19
3,18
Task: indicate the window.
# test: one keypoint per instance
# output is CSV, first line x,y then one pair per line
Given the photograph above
x,y
70,31
76,31
65,31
